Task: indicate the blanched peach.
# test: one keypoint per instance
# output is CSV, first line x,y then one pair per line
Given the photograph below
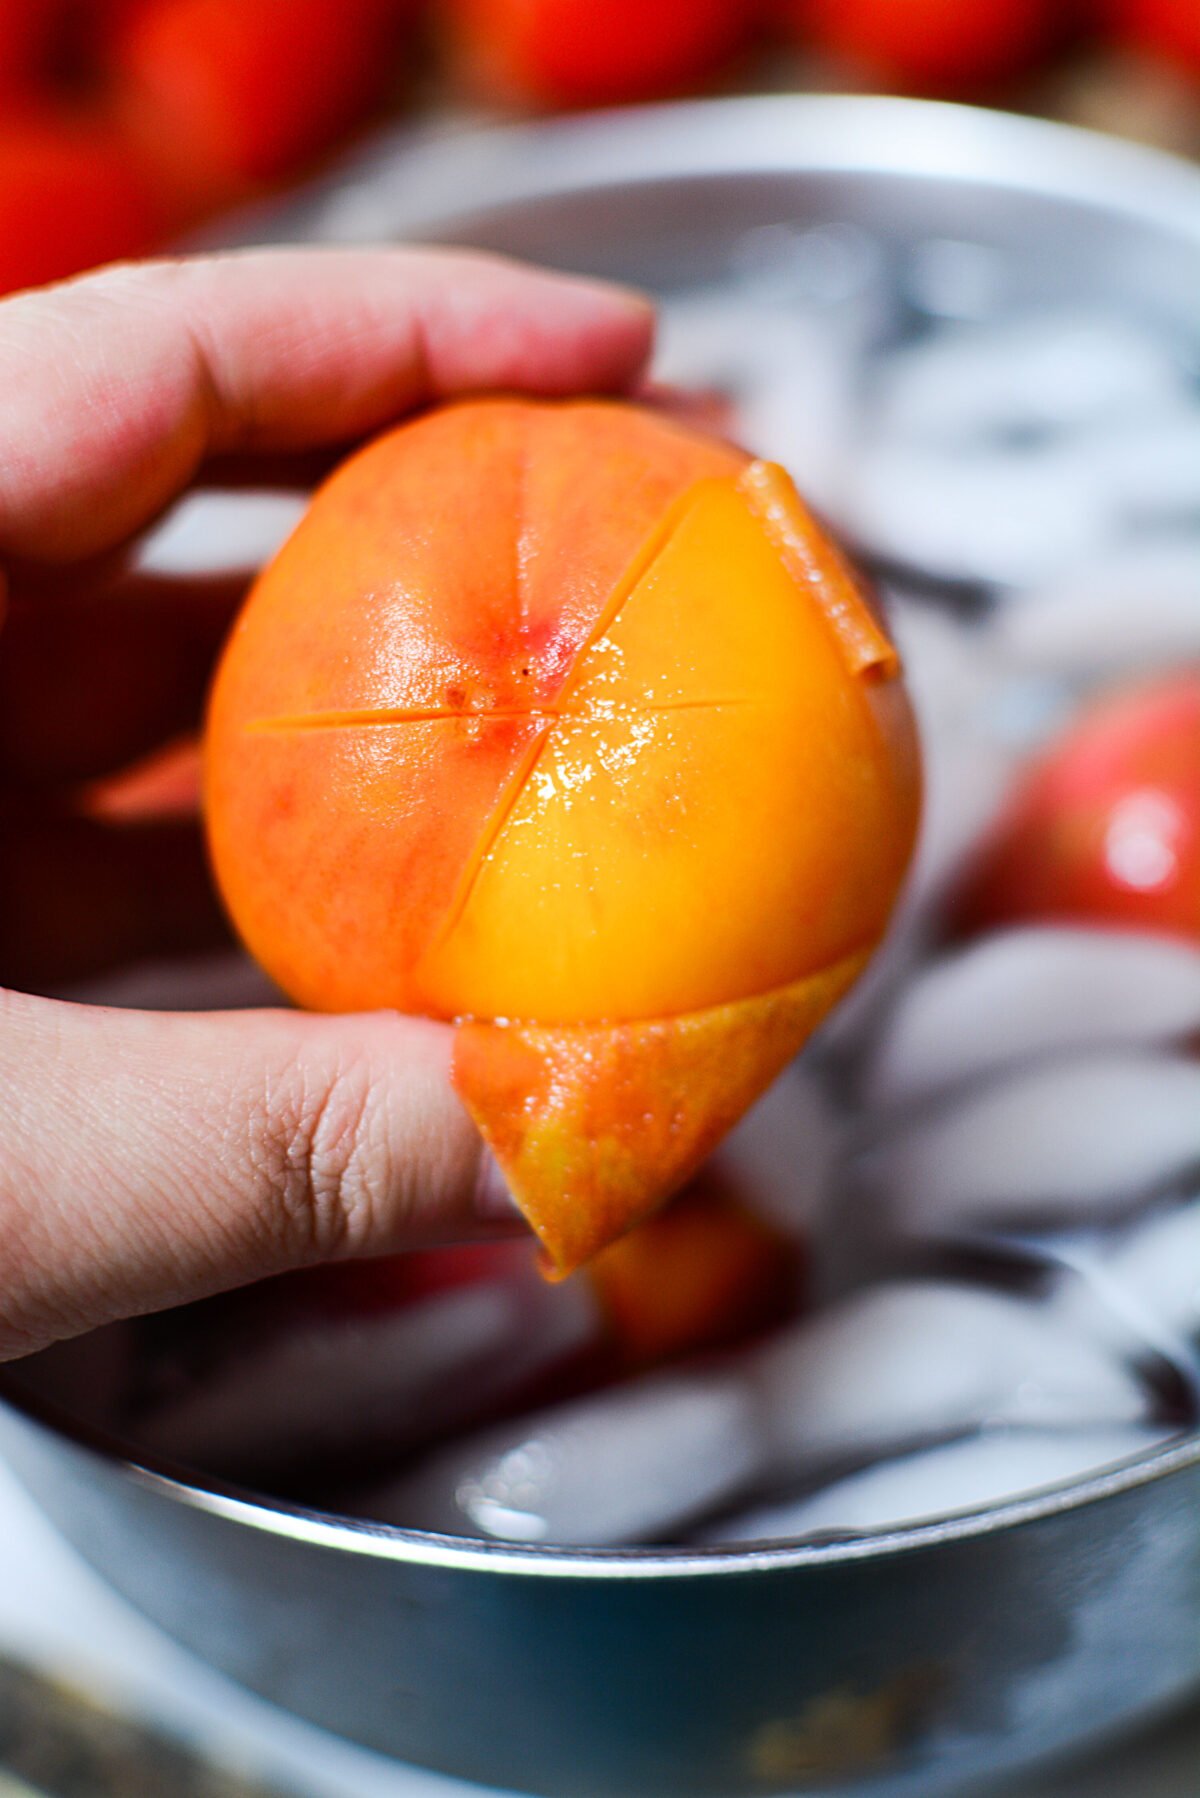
x,y
564,723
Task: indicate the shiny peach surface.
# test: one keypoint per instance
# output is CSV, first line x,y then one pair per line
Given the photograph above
x,y
568,724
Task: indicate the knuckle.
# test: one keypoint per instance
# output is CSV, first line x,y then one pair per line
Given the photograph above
x,y
325,1167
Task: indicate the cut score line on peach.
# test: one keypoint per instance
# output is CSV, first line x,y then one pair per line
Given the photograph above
x,y
595,710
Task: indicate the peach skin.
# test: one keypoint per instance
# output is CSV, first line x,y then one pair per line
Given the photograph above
x,y
564,723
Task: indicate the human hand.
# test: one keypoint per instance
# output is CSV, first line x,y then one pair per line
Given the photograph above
x,y
150,1158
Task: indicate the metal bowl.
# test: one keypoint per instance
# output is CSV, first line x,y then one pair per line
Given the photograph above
x,y
916,1662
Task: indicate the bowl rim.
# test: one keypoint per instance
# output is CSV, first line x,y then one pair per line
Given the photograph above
x,y
506,164
649,145
300,1524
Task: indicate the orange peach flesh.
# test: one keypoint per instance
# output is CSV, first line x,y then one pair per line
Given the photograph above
x,y
706,663
696,726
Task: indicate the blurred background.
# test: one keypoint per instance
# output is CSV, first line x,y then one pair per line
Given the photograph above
x,y
127,125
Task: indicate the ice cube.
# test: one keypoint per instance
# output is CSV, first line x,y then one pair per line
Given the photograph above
x,y
968,762
782,1154
1084,1138
998,516
1024,377
890,1368
975,1473
1140,1290
1134,607
842,1034
952,278
1158,1264
221,531
1027,993
627,1465
814,266
791,380
324,1387
912,1361
962,794
1149,465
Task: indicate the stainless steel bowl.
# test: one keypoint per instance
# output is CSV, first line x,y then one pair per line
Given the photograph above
x,y
918,1662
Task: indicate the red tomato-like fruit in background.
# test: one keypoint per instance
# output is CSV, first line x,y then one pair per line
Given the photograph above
x,y
29,33
578,53
935,46
122,120
1104,828
1166,28
226,95
72,194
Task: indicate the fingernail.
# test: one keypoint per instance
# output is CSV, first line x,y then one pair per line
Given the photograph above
x,y
605,303
611,293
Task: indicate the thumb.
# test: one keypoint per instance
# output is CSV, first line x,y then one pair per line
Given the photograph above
x,y
147,1159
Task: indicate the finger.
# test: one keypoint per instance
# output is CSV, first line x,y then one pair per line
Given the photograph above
x,y
82,896
146,1160
118,385
89,683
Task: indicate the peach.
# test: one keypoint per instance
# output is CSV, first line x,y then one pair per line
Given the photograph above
x,y
568,725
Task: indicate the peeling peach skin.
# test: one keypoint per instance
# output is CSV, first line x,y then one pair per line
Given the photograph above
x,y
567,725
597,1125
